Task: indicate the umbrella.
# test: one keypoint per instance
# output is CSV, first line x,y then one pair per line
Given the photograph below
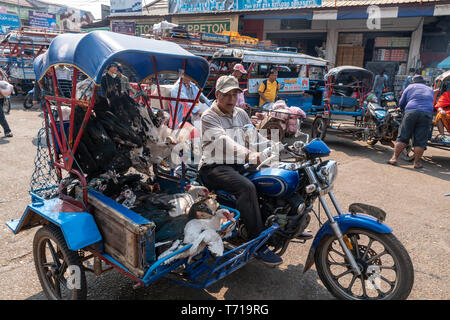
x,y
444,64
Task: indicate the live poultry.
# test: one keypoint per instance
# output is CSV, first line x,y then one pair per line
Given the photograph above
x,y
180,203
200,233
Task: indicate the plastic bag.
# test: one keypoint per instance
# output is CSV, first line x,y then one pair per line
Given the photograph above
x,y
6,89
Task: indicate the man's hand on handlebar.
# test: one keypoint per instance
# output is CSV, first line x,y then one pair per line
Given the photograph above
x,y
255,158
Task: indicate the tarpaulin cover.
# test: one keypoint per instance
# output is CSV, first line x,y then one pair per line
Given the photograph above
x,y
444,64
93,52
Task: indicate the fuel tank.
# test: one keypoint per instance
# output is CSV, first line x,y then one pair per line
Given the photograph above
x,y
274,182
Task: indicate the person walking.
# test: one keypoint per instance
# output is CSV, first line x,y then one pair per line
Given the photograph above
x,y
417,106
379,84
5,91
3,121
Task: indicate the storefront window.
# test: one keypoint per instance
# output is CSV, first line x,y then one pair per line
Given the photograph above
x,y
295,24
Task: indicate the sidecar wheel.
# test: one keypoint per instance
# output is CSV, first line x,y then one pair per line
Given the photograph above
x,y
59,269
387,270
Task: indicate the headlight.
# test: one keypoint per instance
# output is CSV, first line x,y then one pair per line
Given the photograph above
x,y
327,172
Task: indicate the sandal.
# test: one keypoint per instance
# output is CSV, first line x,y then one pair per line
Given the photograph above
x,y
439,137
418,166
392,163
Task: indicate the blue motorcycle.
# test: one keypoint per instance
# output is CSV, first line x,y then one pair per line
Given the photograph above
x,y
356,254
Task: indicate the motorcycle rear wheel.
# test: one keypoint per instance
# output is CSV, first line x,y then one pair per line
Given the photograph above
x,y
387,270
28,102
319,128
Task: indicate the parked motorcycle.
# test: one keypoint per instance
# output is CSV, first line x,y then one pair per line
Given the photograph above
x,y
28,102
387,100
356,254
382,124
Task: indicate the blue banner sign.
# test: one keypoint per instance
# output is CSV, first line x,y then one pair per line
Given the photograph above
x,y
42,19
276,4
184,6
8,22
286,84
212,37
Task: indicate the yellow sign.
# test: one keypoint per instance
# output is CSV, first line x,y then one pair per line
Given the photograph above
x,y
207,27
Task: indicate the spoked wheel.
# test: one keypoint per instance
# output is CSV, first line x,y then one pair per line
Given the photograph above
x,y
387,271
319,128
59,269
408,153
6,105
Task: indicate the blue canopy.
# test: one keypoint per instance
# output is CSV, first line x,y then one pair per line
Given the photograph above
x,y
444,64
93,52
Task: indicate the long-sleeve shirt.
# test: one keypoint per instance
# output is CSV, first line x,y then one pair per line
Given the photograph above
x,y
379,83
417,97
223,141
190,93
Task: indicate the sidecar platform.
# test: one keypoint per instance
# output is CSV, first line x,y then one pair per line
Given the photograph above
x,y
125,241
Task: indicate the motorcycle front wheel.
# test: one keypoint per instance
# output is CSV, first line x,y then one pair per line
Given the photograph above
x,y
386,269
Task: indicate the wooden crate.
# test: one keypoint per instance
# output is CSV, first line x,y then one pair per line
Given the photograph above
x,y
127,236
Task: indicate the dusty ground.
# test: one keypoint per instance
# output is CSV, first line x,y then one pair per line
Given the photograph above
x,y
417,211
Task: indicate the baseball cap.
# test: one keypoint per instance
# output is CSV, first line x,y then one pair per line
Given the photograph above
x,y
240,67
227,83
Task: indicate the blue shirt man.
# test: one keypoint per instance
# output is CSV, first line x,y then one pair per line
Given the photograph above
x,y
417,104
417,97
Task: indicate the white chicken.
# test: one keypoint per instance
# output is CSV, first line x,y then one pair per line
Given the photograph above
x,y
182,202
200,233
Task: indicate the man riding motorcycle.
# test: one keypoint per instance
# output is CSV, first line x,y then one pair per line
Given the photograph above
x,y
223,158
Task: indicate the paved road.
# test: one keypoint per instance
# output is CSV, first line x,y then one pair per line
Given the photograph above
x,y
414,200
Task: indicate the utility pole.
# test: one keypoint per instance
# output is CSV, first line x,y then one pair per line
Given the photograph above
x,y
18,10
